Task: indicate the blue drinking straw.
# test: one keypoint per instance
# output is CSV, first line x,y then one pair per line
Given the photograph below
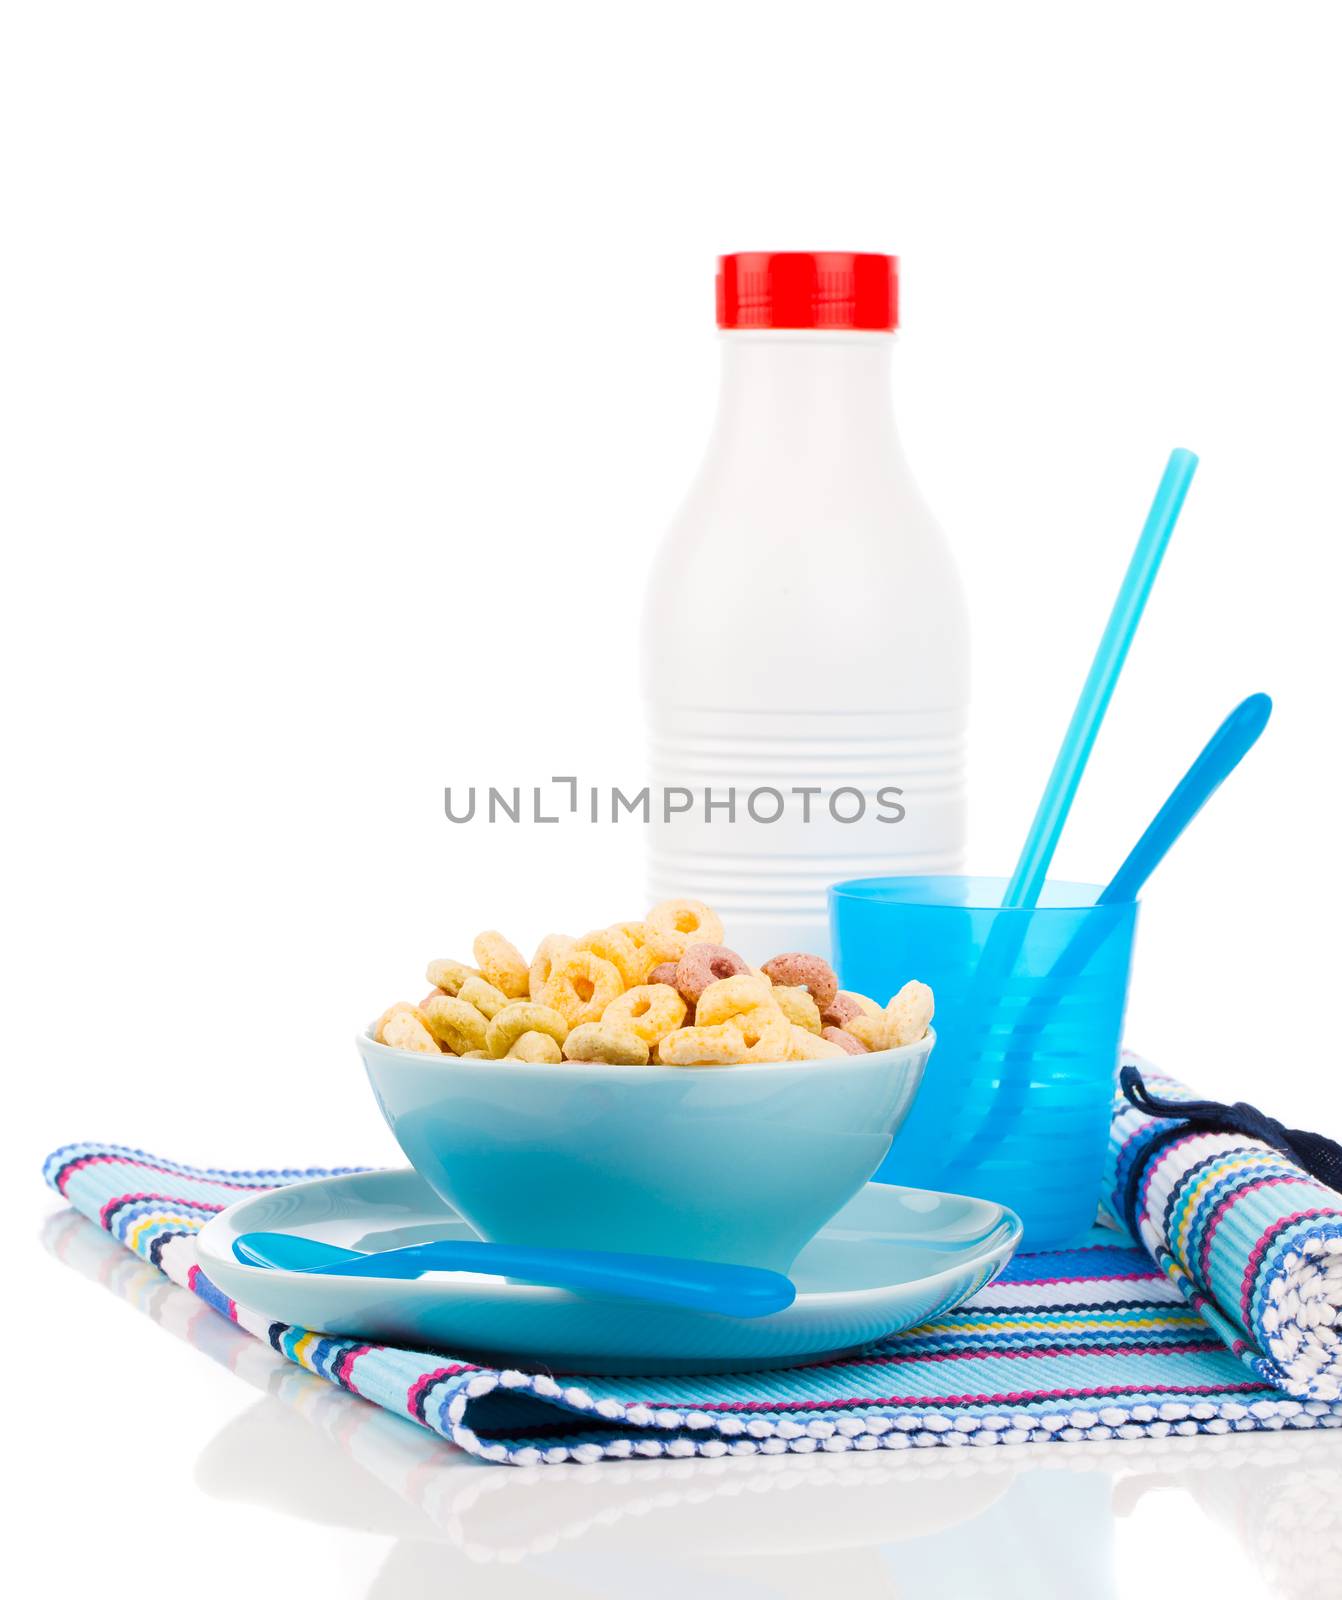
x,y
1056,801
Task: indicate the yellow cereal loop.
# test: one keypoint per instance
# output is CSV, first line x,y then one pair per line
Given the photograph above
x,y
717,1046
877,1032
552,945
486,999
687,922
596,1041
910,1013
580,987
403,1027
807,1046
651,1010
864,1002
457,1026
766,1034
620,950
519,1017
475,1055
653,946
729,997
797,1006
449,975
501,964
533,1046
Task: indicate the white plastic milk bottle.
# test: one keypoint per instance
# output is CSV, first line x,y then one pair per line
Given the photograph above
x,y
806,647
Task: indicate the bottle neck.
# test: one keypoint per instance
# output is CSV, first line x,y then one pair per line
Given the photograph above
x,y
796,397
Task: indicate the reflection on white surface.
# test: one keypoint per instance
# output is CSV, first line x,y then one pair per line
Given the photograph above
x,y
946,1525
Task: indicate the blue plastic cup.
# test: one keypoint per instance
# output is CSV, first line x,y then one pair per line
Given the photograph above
x,y
1015,1104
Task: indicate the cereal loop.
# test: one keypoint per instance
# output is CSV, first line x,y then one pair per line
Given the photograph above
x,y
686,922
654,947
548,950
731,997
457,1026
595,1041
665,973
808,1046
847,1042
501,964
910,1013
651,1010
519,1017
842,1009
876,1033
449,975
486,999
620,950
797,1006
703,964
766,1034
701,1047
533,1046
580,987
868,1004
403,1027
816,975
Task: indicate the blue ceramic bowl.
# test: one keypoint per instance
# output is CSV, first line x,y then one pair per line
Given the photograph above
x,y
736,1163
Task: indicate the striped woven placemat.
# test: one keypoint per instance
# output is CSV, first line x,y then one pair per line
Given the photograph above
x,y
1220,1321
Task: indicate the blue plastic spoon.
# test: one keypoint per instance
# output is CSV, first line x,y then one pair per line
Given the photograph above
x,y
729,1291
1219,757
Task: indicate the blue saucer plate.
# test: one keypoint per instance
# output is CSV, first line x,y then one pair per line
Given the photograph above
x,y
891,1259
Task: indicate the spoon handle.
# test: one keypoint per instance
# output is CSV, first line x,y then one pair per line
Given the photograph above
x,y
1219,757
711,1286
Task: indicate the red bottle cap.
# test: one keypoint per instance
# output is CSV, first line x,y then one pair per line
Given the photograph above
x,y
808,289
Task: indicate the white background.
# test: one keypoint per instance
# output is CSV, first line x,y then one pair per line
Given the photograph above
x,y
354,358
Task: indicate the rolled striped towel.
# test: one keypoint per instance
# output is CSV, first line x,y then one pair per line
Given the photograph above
x,y
1221,1198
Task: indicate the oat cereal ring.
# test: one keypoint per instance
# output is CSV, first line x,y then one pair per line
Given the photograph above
x,y
701,1047
651,1010
797,1006
595,1041
620,950
807,1046
876,1033
766,1033
486,999
455,1024
686,922
519,1017
847,1042
580,987
910,1013
796,968
732,997
534,1046
449,975
501,964
551,946
653,946
703,964
403,1027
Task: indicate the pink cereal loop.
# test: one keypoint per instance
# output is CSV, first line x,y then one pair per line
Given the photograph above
x,y
844,1040
797,969
703,964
